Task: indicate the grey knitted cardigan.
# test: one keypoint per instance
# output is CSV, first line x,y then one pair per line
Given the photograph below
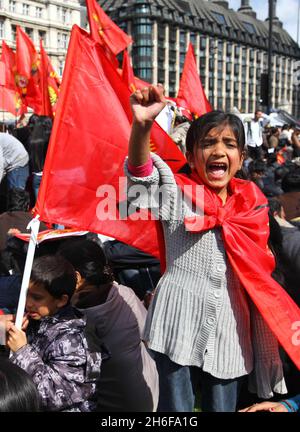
x,y
201,315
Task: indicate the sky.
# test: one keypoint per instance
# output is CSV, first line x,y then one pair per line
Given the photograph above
x,y
287,12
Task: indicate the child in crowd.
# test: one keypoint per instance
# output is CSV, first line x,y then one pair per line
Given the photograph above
x,y
203,324
54,350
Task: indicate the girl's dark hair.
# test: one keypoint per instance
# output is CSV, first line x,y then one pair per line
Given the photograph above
x,y
89,260
38,142
18,392
214,119
55,274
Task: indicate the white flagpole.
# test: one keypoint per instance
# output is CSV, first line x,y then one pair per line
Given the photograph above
x,y
34,225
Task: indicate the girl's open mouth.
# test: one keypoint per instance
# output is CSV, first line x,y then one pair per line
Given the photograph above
x,y
217,169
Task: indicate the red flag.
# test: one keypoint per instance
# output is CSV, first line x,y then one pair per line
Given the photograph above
x,y
104,30
27,71
127,72
49,83
89,142
26,55
2,74
10,99
191,94
8,57
160,142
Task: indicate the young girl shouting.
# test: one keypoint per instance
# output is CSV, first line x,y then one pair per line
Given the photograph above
x,y
203,323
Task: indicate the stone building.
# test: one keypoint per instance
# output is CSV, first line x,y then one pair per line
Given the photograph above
x,y
50,20
231,49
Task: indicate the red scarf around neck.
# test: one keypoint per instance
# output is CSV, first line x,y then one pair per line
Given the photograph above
x,y
244,224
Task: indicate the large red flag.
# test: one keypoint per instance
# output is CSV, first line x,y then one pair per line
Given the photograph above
x,y
191,94
88,145
49,83
27,71
104,30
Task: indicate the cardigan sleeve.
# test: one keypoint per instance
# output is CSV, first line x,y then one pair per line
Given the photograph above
x,y
157,191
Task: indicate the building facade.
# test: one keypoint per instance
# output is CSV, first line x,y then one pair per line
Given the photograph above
x,y
231,49
42,19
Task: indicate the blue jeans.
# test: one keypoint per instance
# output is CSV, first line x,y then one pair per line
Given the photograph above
x,y
177,386
17,178
36,181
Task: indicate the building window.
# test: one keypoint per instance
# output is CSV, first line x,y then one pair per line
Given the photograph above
x,y
12,6
142,9
64,15
25,9
219,18
38,12
249,27
29,31
61,66
1,29
42,35
13,33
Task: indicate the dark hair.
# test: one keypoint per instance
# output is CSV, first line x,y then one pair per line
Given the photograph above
x,y
38,142
18,200
291,181
55,274
214,119
88,258
18,392
275,206
257,166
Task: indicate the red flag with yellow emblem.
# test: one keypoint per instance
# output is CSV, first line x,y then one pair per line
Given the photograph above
x,y
10,99
49,82
27,71
105,31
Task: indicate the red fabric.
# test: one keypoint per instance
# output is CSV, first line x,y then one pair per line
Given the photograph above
x,y
127,72
10,99
104,30
49,84
27,71
88,145
2,74
26,54
191,94
245,230
141,170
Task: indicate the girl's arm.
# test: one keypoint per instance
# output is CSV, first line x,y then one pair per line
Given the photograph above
x,y
146,104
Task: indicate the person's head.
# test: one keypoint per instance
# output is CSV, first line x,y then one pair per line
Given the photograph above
x,y
18,392
52,284
89,260
215,145
258,114
256,169
285,127
274,131
275,208
18,200
291,180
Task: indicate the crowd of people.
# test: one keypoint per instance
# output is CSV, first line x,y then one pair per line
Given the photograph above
x,y
107,328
